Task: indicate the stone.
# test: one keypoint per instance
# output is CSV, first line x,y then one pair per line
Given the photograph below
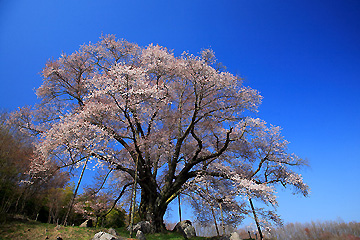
x,y
87,223
104,236
235,236
190,232
186,228
140,235
232,236
112,231
143,226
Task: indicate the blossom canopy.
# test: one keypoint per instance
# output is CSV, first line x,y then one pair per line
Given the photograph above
x,y
186,124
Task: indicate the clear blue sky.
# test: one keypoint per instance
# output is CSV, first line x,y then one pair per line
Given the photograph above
x,y
302,55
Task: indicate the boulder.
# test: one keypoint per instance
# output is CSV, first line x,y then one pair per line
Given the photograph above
x,y
232,236
186,228
112,231
235,236
104,236
87,223
140,235
143,226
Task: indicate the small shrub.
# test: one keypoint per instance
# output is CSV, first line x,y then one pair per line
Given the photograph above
x,y
115,219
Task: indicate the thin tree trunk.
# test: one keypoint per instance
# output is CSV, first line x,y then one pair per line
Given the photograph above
x,y
216,226
7,204
222,218
75,193
179,207
18,200
256,219
130,208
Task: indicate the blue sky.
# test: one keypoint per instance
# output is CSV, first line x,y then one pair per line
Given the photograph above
x,y
303,56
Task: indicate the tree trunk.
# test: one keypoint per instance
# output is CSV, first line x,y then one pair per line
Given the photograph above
x,y
222,218
152,209
214,216
256,219
75,193
179,207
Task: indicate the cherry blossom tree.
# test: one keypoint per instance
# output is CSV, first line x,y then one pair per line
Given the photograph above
x,y
266,165
183,121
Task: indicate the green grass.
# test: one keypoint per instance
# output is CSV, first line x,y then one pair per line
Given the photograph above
x,y
169,236
31,230
40,231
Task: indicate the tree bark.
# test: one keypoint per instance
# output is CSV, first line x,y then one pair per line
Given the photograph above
x,y
153,210
222,218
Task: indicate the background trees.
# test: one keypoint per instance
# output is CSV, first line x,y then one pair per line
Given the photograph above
x,y
21,192
179,124
14,161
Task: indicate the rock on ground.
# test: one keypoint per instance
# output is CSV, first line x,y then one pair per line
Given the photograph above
x,y
143,226
112,231
185,227
140,235
235,236
232,236
87,223
104,236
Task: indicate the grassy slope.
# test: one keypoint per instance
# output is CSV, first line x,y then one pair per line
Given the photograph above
x,y
22,230
32,230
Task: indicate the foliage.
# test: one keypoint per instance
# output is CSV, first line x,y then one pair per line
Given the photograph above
x,y
99,208
14,161
115,219
92,206
180,124
21,193
57,201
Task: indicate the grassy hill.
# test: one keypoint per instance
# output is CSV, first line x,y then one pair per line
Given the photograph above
x,y
32,230
35,230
